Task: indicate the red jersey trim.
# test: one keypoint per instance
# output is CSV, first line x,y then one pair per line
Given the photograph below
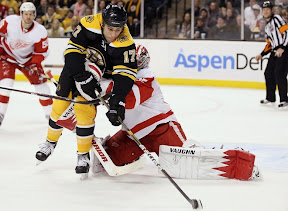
x,y
151,121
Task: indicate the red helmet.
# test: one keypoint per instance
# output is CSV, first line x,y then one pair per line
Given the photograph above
x,y
142,57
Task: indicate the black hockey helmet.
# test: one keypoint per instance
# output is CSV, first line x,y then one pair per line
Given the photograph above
x,y
114,15
267,4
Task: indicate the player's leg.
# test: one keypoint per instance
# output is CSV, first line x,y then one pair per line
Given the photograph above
x,y
40,85
7,77
85,115
270,81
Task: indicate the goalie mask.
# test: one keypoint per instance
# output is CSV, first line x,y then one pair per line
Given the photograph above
x,y
142,57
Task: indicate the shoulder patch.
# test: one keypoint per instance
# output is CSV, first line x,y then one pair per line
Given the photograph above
x,y
124,39
92,22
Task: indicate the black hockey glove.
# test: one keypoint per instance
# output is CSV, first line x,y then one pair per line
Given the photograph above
x,y
117,109
86,84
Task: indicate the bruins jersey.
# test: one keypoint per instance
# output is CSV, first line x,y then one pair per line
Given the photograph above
x,y
116,60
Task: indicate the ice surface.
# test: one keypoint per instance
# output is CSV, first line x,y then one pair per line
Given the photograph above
x,y
212,116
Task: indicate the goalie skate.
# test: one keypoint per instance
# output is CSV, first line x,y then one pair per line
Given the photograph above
x,y
46,149
83,165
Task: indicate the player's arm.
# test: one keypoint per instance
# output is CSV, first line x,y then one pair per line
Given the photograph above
x,y
40,48
283,28
3,27
124,76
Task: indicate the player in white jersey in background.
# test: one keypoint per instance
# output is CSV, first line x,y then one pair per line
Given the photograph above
x,y
23,41
153,122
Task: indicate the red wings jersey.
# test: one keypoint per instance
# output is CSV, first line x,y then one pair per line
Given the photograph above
x,y
145,107
23,45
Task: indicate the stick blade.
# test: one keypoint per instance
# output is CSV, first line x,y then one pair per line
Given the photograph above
x,y
196,204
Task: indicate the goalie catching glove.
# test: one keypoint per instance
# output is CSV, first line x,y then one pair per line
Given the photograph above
x,y
88,81
117,109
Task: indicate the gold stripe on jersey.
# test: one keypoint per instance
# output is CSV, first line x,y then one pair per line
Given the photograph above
x,y
132,77
74,48
124,39
76,45
92,23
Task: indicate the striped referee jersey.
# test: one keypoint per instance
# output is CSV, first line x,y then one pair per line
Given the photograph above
x,y
276,34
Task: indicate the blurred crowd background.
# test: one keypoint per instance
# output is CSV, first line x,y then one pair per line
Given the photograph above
x,y
213,19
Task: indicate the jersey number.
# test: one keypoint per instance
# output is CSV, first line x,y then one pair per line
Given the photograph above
x,y
126,56
76,31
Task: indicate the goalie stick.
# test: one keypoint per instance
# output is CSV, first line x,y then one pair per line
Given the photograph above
x,y
96,101
196,204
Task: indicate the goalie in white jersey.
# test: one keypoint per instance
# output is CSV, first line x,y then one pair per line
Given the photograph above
x,y
25,42
153,122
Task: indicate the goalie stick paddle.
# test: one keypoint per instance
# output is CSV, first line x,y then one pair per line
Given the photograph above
x,y
196,204
96,101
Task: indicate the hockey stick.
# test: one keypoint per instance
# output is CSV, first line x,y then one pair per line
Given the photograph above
x,y
27,68
196,204
51,77
96,101
54,65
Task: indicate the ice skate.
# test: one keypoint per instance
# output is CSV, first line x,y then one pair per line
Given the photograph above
x,y
267,102
1,118
46,149
83,165
283,105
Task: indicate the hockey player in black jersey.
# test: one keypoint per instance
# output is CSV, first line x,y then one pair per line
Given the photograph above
x,y
101,45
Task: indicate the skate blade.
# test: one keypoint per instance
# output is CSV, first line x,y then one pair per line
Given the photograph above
x,y
38,162
83,176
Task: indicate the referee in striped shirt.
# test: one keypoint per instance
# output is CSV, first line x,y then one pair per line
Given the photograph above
x,y
277,44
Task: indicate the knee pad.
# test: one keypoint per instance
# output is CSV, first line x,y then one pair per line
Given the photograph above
x,y
85,114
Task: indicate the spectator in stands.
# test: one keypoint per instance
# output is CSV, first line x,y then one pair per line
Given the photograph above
x,y
185,26
258,33
78,8
201,31
11,11
213,14
101,5
236,31
133,13
230,18
114,1
11,4
230,5
220,30
50,16
249,13
88,11
69,30
204,15
42,8
257,16
197,8
39,20
68,19
90,3
3,11
56,29
121,3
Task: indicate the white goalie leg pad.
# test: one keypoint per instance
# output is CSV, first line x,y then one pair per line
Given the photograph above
x,y
108,164
200,163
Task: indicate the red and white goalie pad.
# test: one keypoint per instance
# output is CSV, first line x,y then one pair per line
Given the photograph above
x,y
200,163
